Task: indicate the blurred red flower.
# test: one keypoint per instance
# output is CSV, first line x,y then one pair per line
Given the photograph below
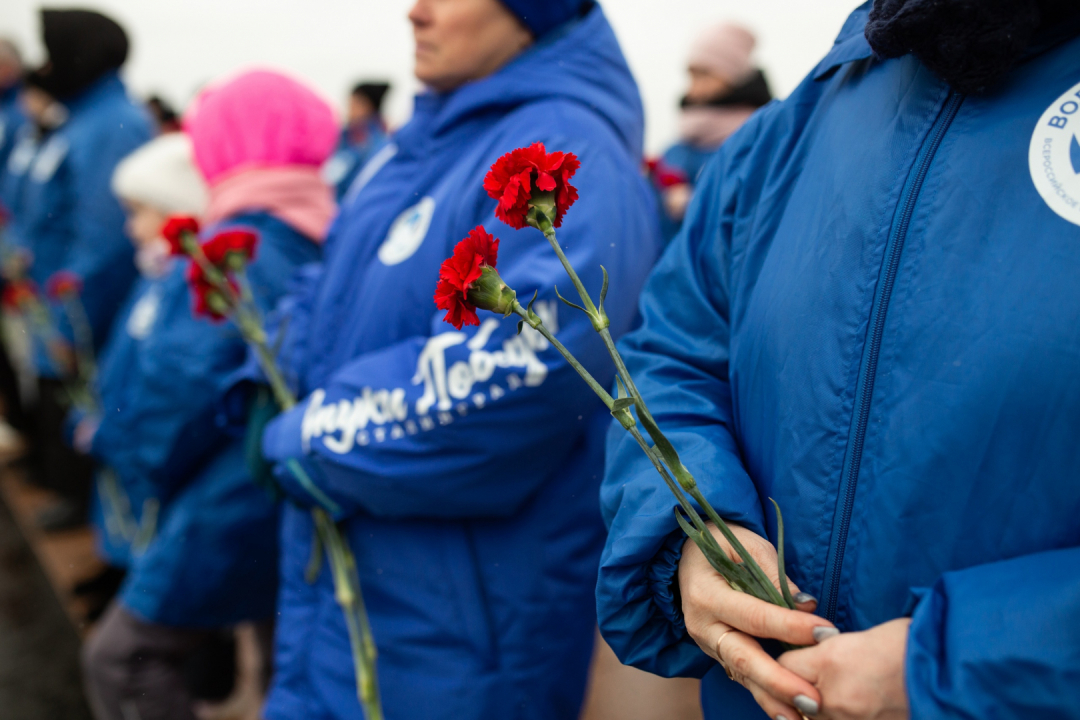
x,y
174,230
218,247
63,284
516,176
460,271
209,301
18,292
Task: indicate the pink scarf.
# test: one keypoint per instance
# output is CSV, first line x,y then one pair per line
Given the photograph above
x,y
294,194
709,127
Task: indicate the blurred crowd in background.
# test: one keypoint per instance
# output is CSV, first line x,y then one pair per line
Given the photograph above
x,y
88,176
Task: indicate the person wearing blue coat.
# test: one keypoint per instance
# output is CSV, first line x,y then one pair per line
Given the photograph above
x,y
463,466
364,135
67,218
872,316
258,140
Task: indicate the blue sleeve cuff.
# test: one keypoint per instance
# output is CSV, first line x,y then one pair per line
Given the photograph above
x,y
662,576
282,438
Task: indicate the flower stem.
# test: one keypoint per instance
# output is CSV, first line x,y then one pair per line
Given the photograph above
x,y
755,581
533,320
328,535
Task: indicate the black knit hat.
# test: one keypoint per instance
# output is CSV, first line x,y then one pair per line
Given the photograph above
x,y
83,45
373,91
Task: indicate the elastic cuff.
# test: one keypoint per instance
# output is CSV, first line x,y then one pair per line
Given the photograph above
x,y
662,576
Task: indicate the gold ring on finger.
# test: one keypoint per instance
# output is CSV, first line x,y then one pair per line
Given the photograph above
x,y
719,655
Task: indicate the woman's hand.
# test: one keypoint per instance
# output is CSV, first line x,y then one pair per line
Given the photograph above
x,y
724,622
860,675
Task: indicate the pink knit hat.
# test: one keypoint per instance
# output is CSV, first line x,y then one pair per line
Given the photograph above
x,y
725,50
261,119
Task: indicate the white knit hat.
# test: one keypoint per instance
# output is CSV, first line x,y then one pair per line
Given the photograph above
x,y
162,174
726,50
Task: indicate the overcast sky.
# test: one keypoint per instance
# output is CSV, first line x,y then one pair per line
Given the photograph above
x,y
178,46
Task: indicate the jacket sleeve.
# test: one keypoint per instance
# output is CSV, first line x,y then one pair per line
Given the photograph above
x,y
101,253
999,640
452,424
679,360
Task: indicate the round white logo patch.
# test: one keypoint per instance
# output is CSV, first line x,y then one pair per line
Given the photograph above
x,y
1054,156
407,233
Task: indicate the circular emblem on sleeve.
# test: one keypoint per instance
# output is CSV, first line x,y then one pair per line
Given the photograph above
x,y
1054,156
407,233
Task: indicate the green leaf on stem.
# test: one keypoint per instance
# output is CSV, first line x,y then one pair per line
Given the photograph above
x,y
573,305
782,569
603,288
622,404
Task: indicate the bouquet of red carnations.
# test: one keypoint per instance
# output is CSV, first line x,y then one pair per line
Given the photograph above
x,y
218,280
533,189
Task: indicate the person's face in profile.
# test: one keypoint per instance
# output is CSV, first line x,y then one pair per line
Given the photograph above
x,y
462,40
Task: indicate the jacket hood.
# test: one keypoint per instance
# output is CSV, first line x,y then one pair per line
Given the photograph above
x,y
580,62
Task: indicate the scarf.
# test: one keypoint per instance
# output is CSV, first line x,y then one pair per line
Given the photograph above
x,y
707,124
294,194
971,44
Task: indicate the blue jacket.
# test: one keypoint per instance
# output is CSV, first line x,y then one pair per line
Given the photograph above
x,y
213,560
464,465
121,489
65,212
873,316
350,157
11,121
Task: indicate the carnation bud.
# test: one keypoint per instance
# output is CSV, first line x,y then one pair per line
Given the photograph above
x,y
489,292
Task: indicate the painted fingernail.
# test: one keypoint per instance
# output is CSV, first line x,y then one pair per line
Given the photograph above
x,y
823,633
803,598
780,717
805,705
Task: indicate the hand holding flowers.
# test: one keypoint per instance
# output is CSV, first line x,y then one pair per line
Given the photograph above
x,y
532,189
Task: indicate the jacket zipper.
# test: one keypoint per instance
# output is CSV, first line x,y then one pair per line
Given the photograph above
x,y
864,389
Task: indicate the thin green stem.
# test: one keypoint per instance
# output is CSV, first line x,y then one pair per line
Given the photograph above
x,y
598,319
663,451
533,321
328,535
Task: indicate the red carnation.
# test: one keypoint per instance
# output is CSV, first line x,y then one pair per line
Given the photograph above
x,y
460,271
209,301
63,285
516,177
664,175
176,229
18,292
219,247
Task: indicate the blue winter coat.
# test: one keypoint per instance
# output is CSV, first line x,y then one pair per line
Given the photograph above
x,y
213,560
122,490
465,465
65,212
873,316
350,157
